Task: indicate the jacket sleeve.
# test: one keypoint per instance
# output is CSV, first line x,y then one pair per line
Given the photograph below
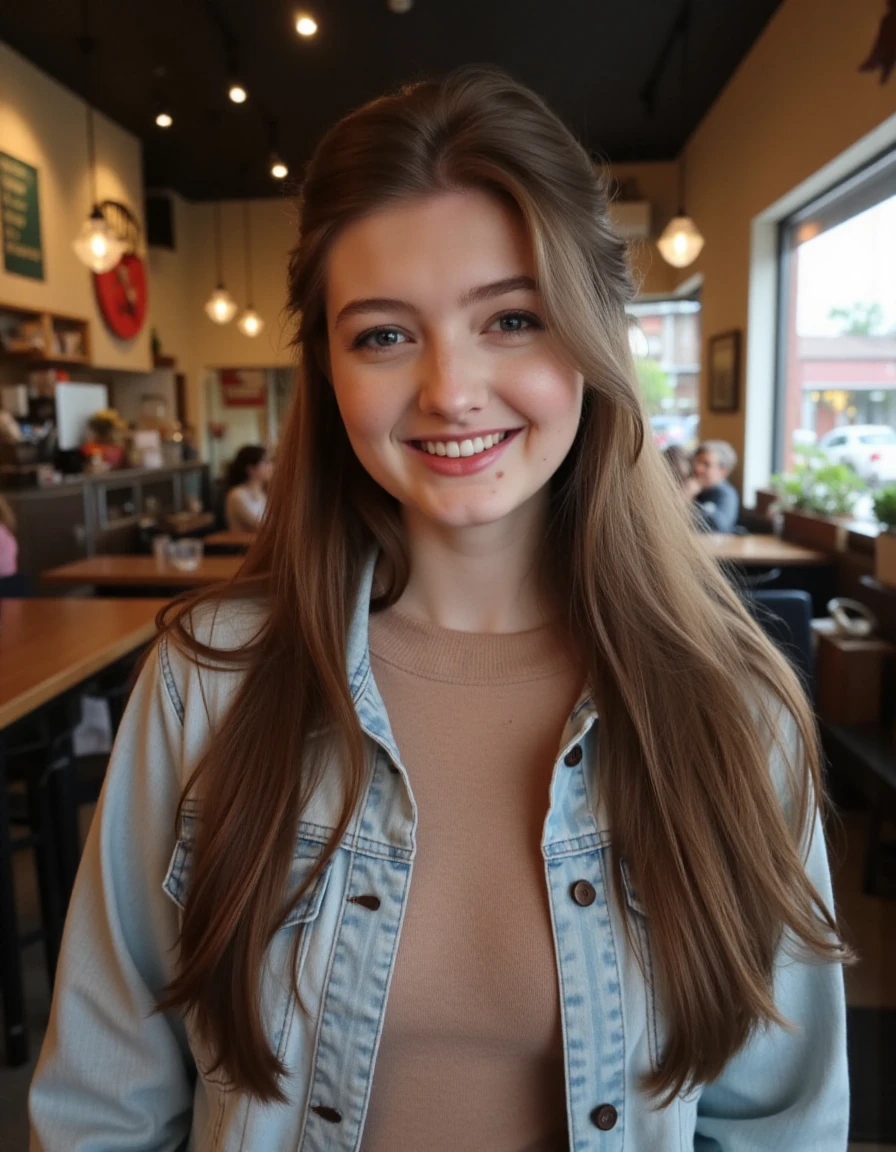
x,y
113,1076
720,511
788,1089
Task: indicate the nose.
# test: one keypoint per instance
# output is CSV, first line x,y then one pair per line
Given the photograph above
x,y
451,385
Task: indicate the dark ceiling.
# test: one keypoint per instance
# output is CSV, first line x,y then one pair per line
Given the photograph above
x,y
589,58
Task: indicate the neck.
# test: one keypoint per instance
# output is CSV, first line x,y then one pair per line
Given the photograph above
x,y
479,579
255,487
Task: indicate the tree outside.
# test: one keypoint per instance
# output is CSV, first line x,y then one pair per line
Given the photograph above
x,y
859,319
655,386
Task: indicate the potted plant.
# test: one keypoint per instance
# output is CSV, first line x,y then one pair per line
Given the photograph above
x,y
817,498
885,548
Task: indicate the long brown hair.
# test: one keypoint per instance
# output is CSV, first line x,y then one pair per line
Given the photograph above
x,y
691,693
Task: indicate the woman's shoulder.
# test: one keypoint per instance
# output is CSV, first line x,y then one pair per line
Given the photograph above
x,y
204,665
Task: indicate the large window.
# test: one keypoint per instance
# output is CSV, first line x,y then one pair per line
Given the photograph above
x,y
665,338
837,348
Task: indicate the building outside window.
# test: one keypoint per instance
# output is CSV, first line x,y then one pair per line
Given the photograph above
x,y
665,338
837,333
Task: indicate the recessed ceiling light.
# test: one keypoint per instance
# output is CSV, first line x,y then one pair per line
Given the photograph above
x,y
164,120
306,25
238,94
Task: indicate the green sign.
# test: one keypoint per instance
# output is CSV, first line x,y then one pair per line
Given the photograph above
x,y
20,218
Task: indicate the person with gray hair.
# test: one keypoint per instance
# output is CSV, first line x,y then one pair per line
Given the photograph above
x,y
718,504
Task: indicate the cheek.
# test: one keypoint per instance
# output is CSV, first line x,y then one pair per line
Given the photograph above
x,y
550,399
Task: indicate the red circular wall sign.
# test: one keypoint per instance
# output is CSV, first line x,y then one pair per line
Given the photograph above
x,y
121,295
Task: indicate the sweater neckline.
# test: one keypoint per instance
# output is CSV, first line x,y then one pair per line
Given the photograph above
x,y
471,658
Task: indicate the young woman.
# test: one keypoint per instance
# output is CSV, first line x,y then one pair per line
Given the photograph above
x,y
247,480
477,813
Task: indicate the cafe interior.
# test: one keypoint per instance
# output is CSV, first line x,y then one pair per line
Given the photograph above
x,y
151,160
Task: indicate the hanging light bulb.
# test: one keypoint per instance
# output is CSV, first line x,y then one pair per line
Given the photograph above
x,y
237,93
250,323
306,25
220,306
681,241
96,245
164,119
278,169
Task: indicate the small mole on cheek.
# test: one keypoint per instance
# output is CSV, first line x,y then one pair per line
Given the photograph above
x,y
499,475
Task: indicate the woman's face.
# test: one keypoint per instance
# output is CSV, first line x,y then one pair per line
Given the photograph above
x,y
455,398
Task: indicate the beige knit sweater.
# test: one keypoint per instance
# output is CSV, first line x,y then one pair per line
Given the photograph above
x,y
471,1057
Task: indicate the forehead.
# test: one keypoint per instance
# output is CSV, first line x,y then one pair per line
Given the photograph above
x,y
428,248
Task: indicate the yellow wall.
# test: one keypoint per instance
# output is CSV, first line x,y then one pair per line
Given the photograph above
x,y
44,124
796,102
657,183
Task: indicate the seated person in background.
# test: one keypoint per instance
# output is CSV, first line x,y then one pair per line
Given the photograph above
x,y
682,466
247,481
718,504
9,546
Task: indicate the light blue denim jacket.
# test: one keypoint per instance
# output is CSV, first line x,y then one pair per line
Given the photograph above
x,y
114,1077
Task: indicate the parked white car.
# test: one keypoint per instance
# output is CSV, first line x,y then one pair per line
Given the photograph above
x,y
869,449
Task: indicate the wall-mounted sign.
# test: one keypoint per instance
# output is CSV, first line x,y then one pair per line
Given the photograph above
x,y
23,252
243,388
121,296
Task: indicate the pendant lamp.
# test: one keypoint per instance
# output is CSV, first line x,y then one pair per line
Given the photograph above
x,y
220,306
249,323
681,241
96,245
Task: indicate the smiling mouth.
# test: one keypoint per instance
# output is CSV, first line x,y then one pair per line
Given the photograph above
x,y
455,449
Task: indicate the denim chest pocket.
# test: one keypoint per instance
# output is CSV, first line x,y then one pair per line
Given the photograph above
x,y
277,984
305,855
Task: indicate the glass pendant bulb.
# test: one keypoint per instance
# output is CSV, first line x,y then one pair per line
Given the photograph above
x,y
220,306
278,169
96,245
681,241
250,323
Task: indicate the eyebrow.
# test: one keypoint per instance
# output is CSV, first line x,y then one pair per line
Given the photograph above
x,y
473,296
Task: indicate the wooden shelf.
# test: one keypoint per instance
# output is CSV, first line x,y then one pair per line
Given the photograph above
x,y
164,361
49,327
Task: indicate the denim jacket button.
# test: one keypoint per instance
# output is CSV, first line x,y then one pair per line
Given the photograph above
x,y
326,1113
583,893
573,756
604,1117
371,902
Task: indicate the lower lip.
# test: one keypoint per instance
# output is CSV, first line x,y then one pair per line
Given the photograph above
x,y
463,465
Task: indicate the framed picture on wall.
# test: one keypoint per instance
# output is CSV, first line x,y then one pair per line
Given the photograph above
x,y
724,371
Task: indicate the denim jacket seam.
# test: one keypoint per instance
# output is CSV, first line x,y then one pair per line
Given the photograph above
x,y
168,679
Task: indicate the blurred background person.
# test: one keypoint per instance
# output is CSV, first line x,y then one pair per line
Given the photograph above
x,y
9,546
682,467
717,501
247,481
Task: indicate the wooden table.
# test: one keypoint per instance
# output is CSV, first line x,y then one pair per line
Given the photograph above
x,y
141,572
48,647
765,551
237,541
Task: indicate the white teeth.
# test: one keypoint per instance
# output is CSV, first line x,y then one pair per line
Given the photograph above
x,y
457,448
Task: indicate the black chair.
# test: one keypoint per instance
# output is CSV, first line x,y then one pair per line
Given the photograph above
x,y
15,587
785,615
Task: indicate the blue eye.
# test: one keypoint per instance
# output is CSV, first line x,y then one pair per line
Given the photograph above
x,y
516,323
378,339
